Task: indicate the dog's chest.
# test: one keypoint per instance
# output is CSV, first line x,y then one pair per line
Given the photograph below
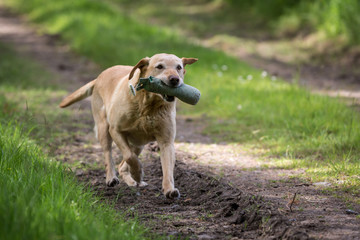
x,y
144,130
148,124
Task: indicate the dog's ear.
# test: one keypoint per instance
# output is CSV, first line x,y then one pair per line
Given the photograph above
x,y
142,64
188,61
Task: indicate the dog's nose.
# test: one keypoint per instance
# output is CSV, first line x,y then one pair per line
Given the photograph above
x,y
174,80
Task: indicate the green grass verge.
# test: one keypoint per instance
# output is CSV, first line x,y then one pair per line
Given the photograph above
x,y
316,132
39,198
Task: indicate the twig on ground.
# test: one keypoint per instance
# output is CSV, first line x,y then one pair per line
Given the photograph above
x,y
290,203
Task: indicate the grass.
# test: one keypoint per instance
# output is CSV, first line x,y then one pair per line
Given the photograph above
x,y
288,32
39,197
25,92
314,132
332,19
336,19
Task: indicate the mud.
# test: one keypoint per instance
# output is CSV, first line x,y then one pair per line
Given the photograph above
x,y
209,208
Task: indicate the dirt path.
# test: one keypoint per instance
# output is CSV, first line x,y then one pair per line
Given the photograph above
x,y
226,193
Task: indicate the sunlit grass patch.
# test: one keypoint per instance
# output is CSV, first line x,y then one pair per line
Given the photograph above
x,y
334,173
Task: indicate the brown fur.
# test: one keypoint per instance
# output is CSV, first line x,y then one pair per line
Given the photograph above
x,y
133,121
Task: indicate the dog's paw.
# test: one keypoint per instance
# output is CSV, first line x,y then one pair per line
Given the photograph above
x,y
112,182
143,184
129,180
172,194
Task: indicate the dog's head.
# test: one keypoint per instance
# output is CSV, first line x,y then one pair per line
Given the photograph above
x,y
167,67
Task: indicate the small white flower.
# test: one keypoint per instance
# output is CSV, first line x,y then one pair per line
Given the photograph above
x,y
273,78
249,77
240,78
220,74
239,107
224,67
264,74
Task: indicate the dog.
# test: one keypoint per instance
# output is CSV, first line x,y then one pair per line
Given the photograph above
x,y
133,121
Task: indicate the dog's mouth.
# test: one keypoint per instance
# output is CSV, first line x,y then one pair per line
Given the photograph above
x,y
168,98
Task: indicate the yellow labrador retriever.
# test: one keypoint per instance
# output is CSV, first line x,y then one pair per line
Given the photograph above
x,y
133,121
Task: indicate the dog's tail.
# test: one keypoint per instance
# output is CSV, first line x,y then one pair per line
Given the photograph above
x,y
83,92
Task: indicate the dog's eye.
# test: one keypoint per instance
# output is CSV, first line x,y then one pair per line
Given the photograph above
x,y
178,67
160,66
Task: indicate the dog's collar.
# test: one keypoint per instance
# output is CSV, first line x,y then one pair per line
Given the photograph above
x,y
132,89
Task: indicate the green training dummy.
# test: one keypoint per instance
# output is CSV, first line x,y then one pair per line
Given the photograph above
x,y
184,92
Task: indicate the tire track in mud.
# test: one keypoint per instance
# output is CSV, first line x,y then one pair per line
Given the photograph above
x,y
220,200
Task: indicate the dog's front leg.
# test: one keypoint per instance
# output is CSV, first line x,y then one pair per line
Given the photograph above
x,y
167,157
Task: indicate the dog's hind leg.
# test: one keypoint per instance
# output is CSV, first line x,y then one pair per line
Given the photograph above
x,y
103,135
105,142
124,170
133,165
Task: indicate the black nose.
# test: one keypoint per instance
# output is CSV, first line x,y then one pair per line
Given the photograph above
x,y
174,80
